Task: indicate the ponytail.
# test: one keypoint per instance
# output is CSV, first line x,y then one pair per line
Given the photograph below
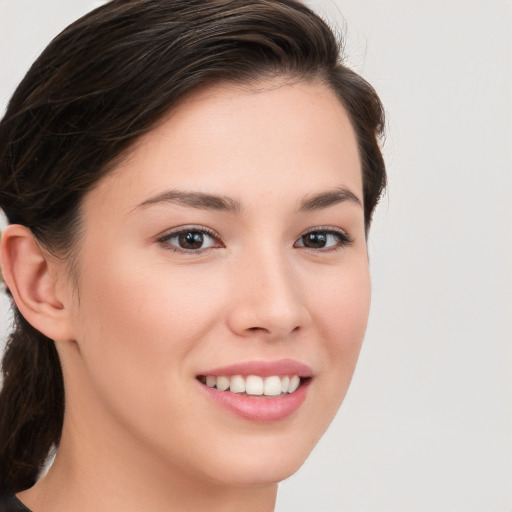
x,y
31,405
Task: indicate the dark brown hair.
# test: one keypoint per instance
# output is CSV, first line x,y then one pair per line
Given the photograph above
x,y
102,83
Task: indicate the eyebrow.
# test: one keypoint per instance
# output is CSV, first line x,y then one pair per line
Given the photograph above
x,y
326,199
196,200
227,204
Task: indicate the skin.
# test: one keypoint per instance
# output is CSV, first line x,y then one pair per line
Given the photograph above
x,y
143,320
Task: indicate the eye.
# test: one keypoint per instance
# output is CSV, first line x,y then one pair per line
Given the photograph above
x,y
191,239
323,239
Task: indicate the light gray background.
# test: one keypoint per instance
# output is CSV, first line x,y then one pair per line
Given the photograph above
x,y
427,423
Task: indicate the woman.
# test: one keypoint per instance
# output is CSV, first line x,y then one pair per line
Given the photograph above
x,y
189,187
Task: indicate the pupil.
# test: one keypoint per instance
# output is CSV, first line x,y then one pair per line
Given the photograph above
x,y
191,240
315,240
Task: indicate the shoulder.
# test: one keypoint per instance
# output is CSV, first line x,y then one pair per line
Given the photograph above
x,y
9,503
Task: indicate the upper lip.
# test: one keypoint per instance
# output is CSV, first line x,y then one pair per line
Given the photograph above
x,y
262,369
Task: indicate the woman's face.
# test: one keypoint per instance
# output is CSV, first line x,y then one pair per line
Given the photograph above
x,y
230,243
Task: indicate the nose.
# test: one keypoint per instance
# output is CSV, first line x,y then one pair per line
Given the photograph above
x,y
267,299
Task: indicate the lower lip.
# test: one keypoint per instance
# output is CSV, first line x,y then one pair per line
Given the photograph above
x,y
259,408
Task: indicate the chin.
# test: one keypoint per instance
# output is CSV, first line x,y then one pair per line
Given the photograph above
x,y
260,472
261,460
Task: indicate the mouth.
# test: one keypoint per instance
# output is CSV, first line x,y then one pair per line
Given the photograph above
x,y
255,385
258,391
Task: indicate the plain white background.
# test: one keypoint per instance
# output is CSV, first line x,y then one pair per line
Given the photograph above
x,y
427,423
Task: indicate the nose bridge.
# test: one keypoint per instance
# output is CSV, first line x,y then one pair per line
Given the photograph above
x,y
269,298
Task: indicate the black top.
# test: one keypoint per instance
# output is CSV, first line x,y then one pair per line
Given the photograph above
x,y
9,503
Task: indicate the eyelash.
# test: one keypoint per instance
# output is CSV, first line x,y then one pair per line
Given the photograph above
x,y
186,230
343,239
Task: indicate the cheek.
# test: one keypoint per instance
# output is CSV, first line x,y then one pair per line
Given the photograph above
x,y
341,315
341,304
138,323
139,330
147,301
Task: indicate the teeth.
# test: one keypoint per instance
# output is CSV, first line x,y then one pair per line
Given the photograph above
x,y
272,386
237,384
285,384
294,384
223,383
254,384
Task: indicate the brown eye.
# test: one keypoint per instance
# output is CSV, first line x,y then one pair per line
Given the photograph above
x,y
190,240
314,240
323,239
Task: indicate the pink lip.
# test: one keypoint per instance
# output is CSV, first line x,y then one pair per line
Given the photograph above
x,y
259,409
263,369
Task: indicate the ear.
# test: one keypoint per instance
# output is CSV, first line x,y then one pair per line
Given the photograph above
x,y
31,274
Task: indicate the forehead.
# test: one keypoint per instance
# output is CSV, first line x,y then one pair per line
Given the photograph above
x,y
270,136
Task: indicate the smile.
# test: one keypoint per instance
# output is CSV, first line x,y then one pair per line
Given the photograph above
x,y
258,391
253,385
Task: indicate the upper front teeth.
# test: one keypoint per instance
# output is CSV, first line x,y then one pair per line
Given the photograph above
x,y
255,385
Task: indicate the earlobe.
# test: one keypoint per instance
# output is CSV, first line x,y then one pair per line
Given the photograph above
x,y
30,274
